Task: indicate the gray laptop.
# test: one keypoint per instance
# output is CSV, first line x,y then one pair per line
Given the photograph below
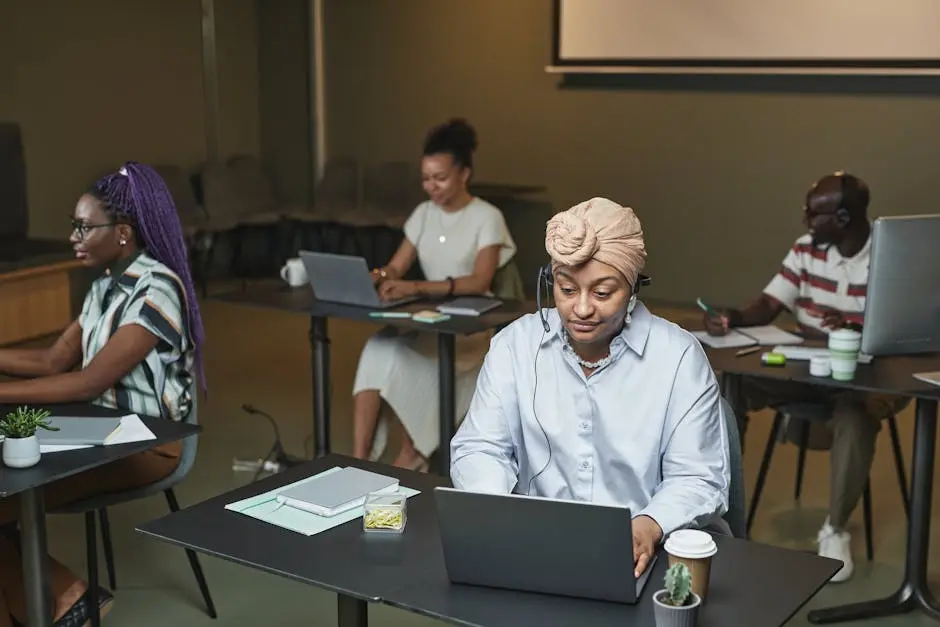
x,y
535,544
344,279
76,431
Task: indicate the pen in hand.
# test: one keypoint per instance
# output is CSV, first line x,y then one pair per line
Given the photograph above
x,y
713,314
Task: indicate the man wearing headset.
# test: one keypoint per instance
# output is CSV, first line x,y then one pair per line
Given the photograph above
x,y
597,399
823,282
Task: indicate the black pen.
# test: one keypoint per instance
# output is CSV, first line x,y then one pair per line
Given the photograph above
x,y
747,351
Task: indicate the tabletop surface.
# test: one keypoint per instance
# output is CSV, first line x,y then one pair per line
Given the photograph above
x,y
301,300
342,559
886,374
55,466
752,584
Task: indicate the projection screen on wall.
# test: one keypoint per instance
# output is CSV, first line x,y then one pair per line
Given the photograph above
x,y
748,33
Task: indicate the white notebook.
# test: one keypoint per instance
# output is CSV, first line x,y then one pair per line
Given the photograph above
x,y
336,492
469,306
768,335
928,377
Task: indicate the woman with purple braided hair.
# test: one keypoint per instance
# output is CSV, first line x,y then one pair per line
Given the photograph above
x,y
137,346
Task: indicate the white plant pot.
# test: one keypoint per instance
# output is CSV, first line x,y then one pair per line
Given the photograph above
x,y
21,452
672,616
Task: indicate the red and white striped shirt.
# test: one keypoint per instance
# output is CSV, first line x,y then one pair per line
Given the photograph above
x,y
816,280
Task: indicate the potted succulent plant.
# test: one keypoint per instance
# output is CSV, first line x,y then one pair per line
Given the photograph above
x,y
20,444
676,605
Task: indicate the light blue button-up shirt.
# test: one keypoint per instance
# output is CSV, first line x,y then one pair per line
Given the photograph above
x,y
645,431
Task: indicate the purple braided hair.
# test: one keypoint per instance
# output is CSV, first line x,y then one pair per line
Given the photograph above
x,y
139,193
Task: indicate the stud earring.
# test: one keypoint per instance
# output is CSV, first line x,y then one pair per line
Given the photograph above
x,y
123,243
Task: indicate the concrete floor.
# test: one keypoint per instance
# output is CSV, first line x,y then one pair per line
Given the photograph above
x,y
262,357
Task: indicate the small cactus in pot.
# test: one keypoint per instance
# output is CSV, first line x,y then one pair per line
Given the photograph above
x,y
676,605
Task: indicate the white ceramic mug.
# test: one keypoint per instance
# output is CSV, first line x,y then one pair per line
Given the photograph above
x,y
294,272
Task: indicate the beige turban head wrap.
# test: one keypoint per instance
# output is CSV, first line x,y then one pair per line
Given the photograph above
x,y
597,229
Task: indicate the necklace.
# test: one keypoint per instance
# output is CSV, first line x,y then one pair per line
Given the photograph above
x,y
590,365
453,217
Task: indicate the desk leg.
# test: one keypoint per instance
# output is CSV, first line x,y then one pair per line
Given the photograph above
x,y
914,592
320,354
446,356
35,564
351,612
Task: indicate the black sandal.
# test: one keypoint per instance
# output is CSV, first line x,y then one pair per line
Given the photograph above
x,y
79,615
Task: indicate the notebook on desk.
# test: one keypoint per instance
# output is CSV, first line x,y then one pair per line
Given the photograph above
x,y
79,431
336,492
767,335
932,378
469,306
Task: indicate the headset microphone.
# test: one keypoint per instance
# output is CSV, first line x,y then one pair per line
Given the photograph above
x,y
544,282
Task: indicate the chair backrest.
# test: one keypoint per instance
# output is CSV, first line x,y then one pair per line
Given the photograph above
x,y
190,444
507,282
735,516
184,196
252,185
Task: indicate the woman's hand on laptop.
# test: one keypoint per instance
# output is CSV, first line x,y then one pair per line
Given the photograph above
x,y
393,289
646,536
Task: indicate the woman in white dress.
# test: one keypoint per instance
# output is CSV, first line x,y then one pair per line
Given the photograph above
x,y
460,242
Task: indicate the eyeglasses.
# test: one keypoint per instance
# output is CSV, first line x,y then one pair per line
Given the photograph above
x,y
812,214
82,229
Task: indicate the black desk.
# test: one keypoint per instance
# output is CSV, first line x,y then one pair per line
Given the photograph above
x,y
301,300
407,571
28,483
887,375
751,584
357,567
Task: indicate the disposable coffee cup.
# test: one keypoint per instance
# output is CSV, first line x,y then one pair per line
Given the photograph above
x,y
695,549
844,346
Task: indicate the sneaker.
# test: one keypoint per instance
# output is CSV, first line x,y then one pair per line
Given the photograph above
x,y
836,545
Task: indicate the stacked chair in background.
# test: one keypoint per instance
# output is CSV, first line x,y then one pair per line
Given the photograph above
x,y
238,228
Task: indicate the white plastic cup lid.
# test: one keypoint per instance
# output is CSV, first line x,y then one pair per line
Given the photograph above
x,y
845,334
691,544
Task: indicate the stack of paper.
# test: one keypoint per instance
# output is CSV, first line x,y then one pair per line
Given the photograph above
x,y
768,335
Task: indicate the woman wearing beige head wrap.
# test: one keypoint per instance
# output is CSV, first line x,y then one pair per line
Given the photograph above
x,y
590,402
597,253
598,229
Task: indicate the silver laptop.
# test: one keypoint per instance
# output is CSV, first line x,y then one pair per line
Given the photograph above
x,y
344,279
535,544
902,308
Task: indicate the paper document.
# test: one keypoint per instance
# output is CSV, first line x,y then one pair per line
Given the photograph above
x,y
132,429
768,335
732,340
265,507
928,377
